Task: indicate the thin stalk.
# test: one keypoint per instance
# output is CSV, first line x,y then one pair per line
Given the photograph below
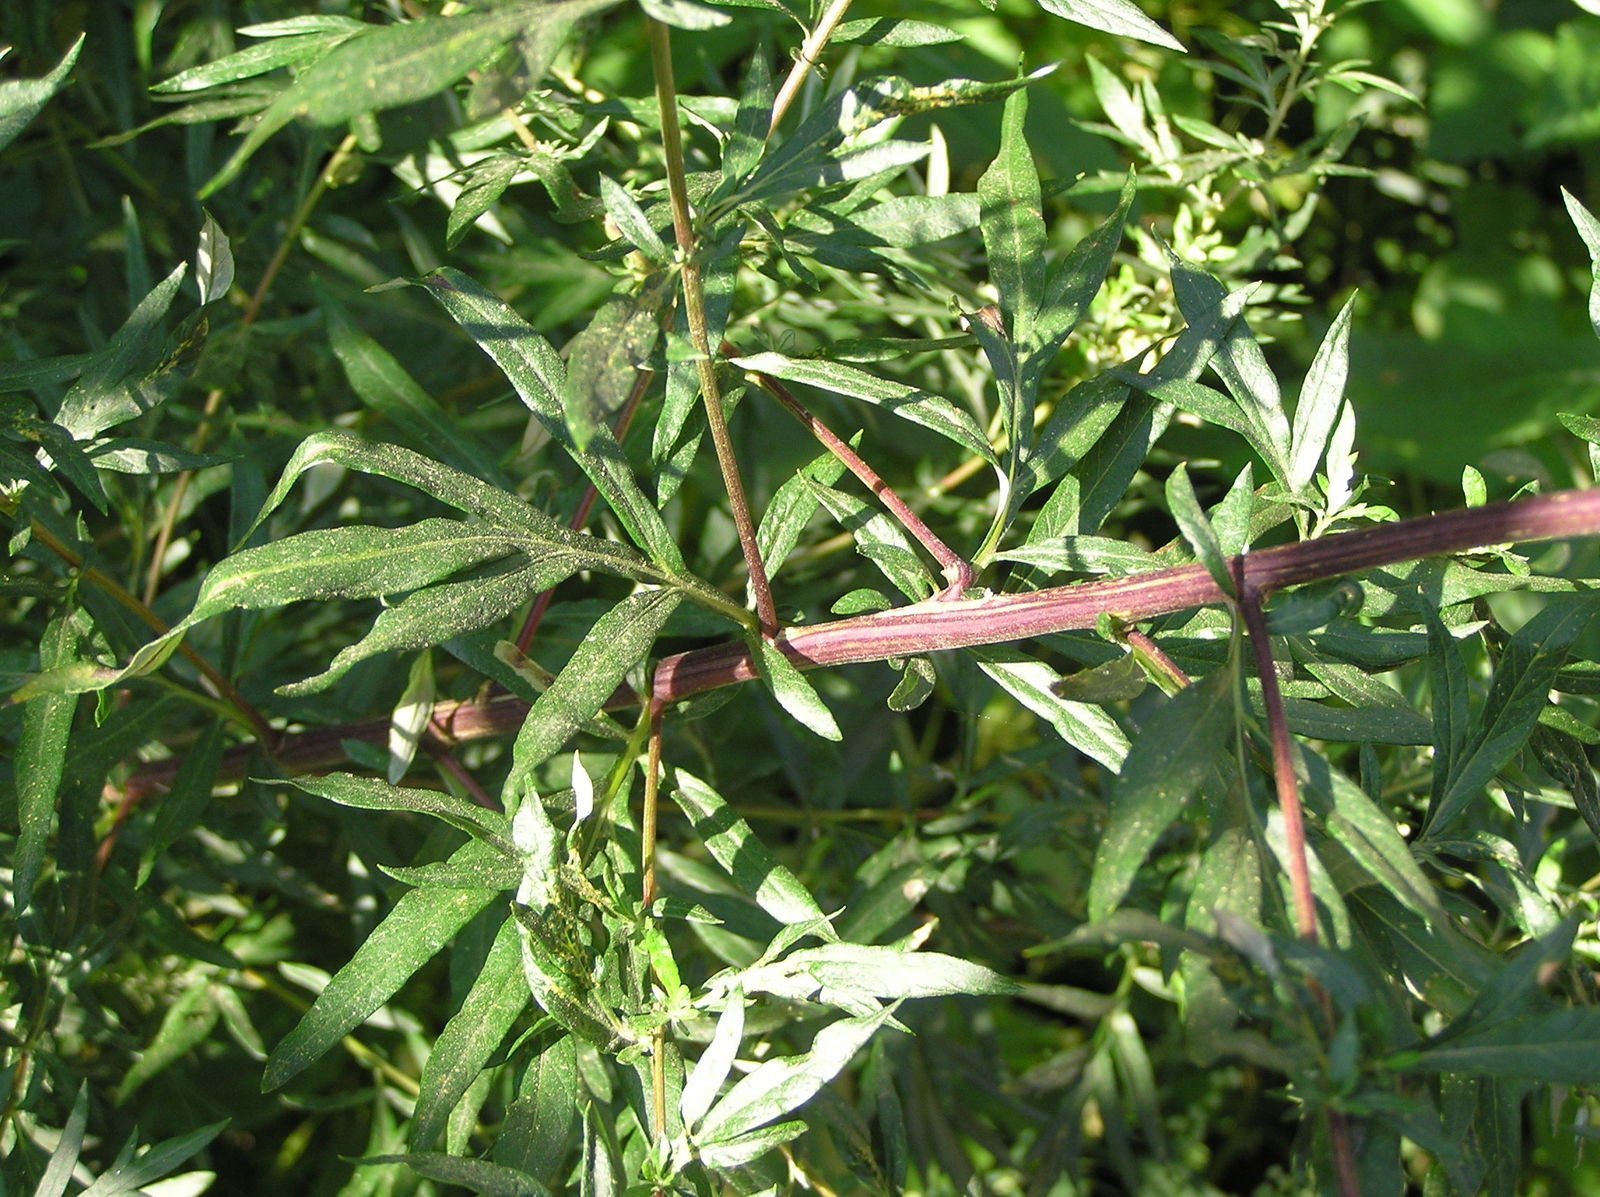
x,y
805,61
695,311
1288,788
252,311
957,572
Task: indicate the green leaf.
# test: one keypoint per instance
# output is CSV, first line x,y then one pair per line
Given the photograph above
x,y
889,31
778,1087
535,371
931,411
1013,229
735,847
1086,727
880,540
716,1062
616,643
213,262
368,793
1191,519
1080,276
855,976
794,693
421,923
540,1122
358,562
187,1023
1120,17
440,613
22,99
119,384
604,360
492,1006
1558,1048
1520,690
483,1177
283,50
685,14
1176,750
1589,229
182,805
386,388
626,214
1321,398
792,506
40,760
135,1175
64,1159
386,66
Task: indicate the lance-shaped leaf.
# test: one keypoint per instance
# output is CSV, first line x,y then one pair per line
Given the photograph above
x,y
41,756
1121,17
1086,727
1080,276
1589,229
1321,399
498,996
856,976
735,847
483,1177
794,693
22,99
439,613
112,389
1561,1047
1520,690
616,643
367,793
907,402
701,1086
778,1087
534,369
385,66
604,360
1013,226
421,923
1166,765
1196,528
358,562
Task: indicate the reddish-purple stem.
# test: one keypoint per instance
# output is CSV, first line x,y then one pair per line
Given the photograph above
x,y
957,573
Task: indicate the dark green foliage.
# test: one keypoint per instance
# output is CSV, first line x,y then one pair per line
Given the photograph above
x,y
402,796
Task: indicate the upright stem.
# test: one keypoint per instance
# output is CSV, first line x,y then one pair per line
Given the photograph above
x,y
699,334
805,61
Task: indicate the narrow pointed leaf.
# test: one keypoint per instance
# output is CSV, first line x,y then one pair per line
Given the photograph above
x,y
1087,727
1013,227
616,643
931,411
483,1177
40,760
1167,764
1082,273
716,1062
735,847
1121,17
1558,1048
794,693
420,924
535,370
22,99
496,1000
781,1086
1589,229
1321,399
1191,519
111,391
367,793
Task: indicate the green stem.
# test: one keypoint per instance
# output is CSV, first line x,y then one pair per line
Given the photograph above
x,y
699,334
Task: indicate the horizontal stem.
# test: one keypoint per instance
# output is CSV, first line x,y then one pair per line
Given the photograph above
x,y
938,625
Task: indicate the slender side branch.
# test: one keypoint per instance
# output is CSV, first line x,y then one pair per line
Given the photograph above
x,y
695,311
955,569
1294,824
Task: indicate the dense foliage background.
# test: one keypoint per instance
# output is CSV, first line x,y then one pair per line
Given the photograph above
x,y
169,932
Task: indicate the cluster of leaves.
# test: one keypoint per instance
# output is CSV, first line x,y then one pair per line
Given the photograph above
x,y
1063,867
